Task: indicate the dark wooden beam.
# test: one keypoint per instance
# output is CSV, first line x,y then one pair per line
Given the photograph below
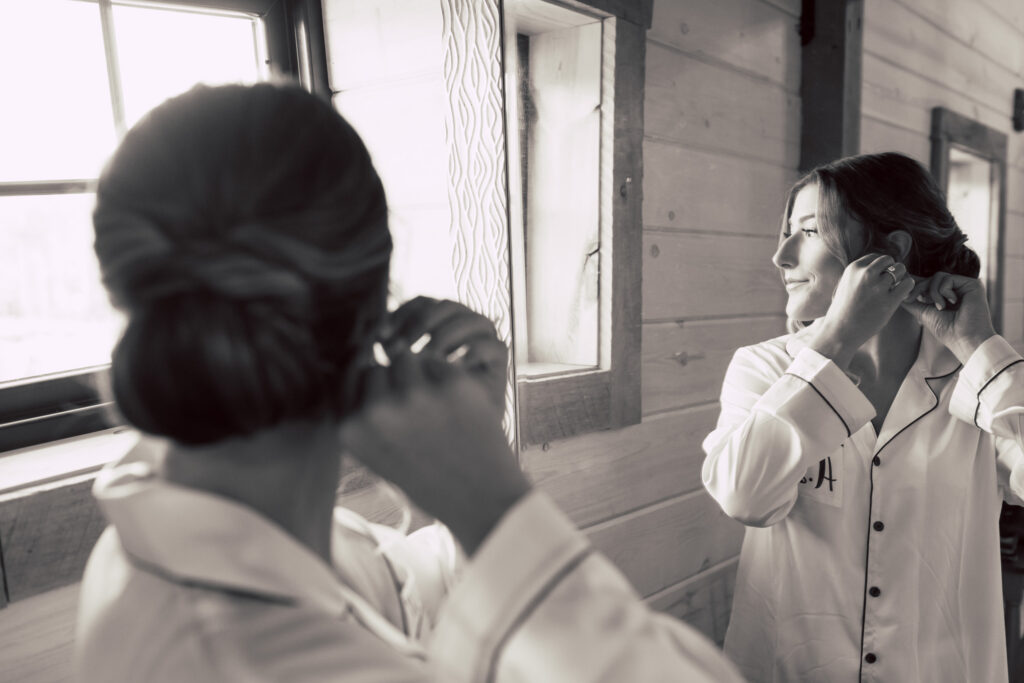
x,y
830,88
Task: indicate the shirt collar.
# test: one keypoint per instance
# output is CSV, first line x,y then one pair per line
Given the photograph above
x,y
196,538
934,360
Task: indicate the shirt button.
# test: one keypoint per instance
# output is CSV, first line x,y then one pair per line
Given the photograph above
x,y
870,658
874,591
878,526
876,461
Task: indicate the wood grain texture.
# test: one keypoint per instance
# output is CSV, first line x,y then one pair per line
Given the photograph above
x,y
693,189
558,408
976,26
47,533
684,363
665,543
903,98
754,37
699,275
881,136
898,35
627,222
1015,189
598,477
704,601
36,637
716,108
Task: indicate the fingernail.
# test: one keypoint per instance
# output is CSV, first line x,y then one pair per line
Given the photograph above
x,y
938,305
920,298
420,343
380,355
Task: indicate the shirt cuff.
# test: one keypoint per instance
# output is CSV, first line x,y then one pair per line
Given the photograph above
x,y
981,373
818,381
526,554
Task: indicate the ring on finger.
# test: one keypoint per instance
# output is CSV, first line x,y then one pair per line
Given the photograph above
x,y
891,271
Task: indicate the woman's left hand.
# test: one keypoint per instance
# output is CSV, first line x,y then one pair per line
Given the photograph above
x,y
954,309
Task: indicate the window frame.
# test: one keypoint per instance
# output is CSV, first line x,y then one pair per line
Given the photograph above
x,y
949,130
565,405
37,410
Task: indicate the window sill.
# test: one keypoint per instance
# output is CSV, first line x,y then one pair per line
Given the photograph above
x,y
39,465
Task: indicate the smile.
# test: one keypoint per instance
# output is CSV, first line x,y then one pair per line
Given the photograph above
x,y
792,284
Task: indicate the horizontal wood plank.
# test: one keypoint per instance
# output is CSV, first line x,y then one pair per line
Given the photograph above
x,y
684,363
1013,278
666,543
903,98
900,36
713,107
560,407
699,275
979,27
47,533
752,36
1010,11
692,189
703,601
1015,189
600,476
881,136
36,637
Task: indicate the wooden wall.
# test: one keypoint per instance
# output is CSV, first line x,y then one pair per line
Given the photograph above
x,y
967,57
722,135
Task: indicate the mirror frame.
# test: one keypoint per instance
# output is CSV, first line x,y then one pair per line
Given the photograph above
x,y
950,130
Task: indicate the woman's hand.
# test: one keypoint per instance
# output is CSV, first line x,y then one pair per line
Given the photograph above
x,y
449,330
864,301
955,310
430,427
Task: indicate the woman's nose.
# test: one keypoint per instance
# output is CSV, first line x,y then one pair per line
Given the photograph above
x,y
784,256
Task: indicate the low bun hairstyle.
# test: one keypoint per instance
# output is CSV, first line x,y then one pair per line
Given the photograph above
x,y
887,192
243,230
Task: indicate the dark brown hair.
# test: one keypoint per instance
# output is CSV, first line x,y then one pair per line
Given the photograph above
x,y
243,229
887,192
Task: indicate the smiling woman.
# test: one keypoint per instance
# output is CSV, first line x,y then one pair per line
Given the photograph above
x,y
842,444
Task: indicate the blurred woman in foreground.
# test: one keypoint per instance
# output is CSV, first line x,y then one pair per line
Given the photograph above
x,y
244,232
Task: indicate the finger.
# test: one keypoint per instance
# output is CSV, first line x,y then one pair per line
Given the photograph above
x,y
406,372
866,260
880,263
934,291
946,289
410,310
373,386
466,328
421,317
920,290
897,274
905,286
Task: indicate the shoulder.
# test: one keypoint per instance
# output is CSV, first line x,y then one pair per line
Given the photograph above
x,y
770,356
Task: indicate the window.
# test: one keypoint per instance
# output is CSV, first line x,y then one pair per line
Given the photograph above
x,y
573,107
88,70
969,163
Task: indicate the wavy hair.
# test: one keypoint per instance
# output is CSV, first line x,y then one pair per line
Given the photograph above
x,y
243,230
887,192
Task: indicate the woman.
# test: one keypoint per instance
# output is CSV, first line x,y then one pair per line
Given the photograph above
x,y
867,451
243,230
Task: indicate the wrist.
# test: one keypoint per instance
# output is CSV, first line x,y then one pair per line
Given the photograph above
x,y
834,348
964,348
477,523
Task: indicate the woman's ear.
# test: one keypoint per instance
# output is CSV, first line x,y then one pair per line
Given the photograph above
x,y
899,241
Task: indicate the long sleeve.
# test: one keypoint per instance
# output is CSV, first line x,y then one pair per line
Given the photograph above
x,y
990,394
536,603
776,422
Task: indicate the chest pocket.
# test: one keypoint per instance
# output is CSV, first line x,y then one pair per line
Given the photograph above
x,y
823,481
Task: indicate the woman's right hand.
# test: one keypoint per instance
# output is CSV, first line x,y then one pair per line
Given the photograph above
x,y
430,428
864,301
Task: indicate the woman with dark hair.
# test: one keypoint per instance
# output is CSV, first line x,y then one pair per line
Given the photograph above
x,y
869,450
243,231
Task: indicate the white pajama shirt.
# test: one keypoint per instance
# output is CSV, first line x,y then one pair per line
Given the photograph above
x,y
189,586
868,558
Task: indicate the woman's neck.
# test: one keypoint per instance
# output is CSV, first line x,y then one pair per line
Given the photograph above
x,y
890,353
288,474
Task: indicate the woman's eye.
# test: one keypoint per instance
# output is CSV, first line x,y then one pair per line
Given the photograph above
x,y
809,231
